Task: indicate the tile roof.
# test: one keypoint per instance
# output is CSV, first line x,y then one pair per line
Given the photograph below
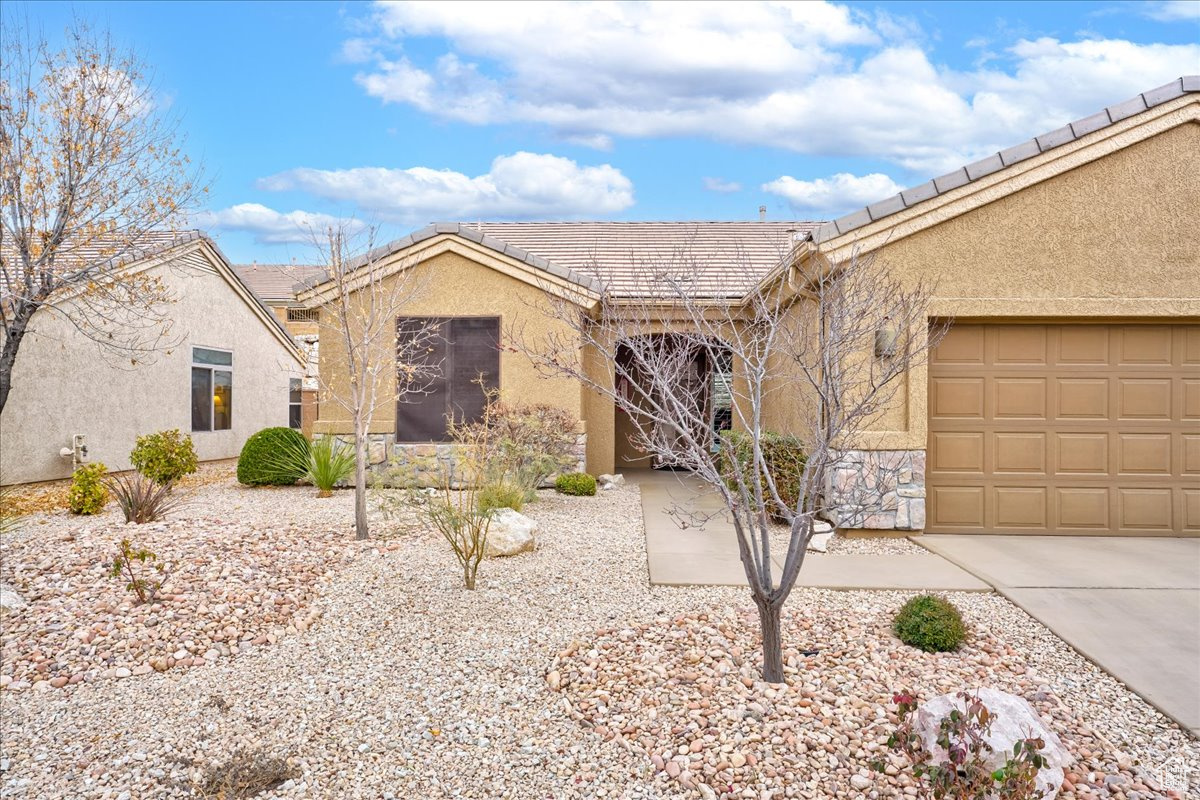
x,y
722,259
277,282
1006,158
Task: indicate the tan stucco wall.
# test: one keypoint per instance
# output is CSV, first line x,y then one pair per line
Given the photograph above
x,y
1114,237
449,285
63,385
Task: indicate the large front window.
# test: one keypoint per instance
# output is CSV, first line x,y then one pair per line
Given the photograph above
x,y
459,364
212,389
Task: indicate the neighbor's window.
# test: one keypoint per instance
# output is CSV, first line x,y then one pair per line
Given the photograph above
x,y
303,315
212,389
463,350
294,402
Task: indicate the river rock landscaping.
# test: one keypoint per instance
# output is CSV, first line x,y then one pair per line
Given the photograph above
x,y
318,666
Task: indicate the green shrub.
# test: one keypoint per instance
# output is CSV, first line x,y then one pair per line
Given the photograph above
x,y
164,457
501,495
784,457
266,458
88,494
930,623
579,484
330,462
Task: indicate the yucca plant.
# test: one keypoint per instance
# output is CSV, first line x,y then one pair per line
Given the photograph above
x,y
141,499
325,462
330,462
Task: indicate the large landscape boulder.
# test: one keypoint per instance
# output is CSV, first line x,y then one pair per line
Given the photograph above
x,y
509,533
822,533
10,601
1012,719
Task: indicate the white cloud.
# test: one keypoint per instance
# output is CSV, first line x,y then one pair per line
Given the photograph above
x,y
834,195
274,227
815,78
1172,10
521,185
721,186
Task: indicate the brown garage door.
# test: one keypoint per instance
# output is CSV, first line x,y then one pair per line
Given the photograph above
x,y
1085,429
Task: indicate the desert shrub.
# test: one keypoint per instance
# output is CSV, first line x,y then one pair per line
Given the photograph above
x,y
142,499
967,771
325,462
131,564
267,458
930,623
247,773
784,458
165,456
501,495
578,484
521,445
88,494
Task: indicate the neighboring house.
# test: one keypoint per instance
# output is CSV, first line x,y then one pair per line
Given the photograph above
x,y
224,376
1066,398
275,286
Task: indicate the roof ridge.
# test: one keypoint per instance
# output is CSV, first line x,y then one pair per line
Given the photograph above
x,y
1005,158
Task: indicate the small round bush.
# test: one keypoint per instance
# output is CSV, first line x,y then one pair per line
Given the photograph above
x,y
930,623
88,494
164,457
579,484
269,458
501,495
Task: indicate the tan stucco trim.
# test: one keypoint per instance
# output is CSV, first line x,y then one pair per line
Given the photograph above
x,y
1014,178
413,255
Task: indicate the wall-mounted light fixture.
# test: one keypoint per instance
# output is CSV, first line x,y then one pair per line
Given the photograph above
x,y
885,341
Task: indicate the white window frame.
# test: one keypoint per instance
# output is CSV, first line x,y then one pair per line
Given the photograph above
x,y
212,402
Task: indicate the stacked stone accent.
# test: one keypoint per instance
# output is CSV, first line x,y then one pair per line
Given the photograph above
x,y
421,466
879,490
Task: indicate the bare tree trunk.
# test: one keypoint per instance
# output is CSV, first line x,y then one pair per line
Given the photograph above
x,y
770,620
361,530
12,342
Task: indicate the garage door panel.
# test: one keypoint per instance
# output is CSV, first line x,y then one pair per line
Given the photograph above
x,y
1084,510
1089,428
1082,454
1019,453
1020,507
958,452
1144,454
1191,509
1019,398
1191,454
1145,344
1082,398
1144,509
1191,399
1144,398
1026,346
1084,344
961,345
957,398
960,507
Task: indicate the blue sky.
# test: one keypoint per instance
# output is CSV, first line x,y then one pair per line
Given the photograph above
x,y
400,114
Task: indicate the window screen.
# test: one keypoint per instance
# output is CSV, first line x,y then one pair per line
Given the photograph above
x,y
465,355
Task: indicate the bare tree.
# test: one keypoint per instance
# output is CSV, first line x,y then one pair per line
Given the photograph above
x,y
91,178
381,358
830,340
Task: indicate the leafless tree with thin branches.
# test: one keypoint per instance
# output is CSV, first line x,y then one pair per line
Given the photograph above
x,y
92,178
362,303
832,340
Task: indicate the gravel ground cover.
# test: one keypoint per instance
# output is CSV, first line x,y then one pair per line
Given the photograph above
x,y
407,686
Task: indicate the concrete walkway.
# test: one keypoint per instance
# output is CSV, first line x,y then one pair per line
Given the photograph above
x,y
708,555
1131,605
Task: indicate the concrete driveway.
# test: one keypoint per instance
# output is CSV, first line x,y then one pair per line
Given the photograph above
x,y
1131,605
